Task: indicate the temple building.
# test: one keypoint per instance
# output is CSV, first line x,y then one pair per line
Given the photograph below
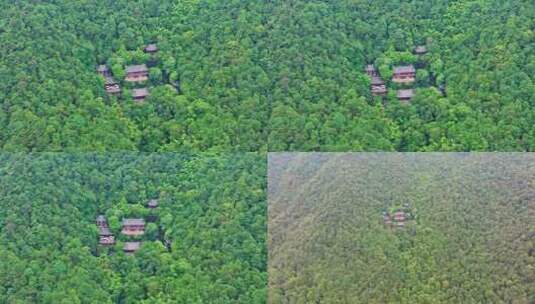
x,y
405,95
371,71
133,227
101,221
404,74
152,204
106,238
135,73
151,48
139,95
378,86
399,216
104,70
112,87
420,50
131,247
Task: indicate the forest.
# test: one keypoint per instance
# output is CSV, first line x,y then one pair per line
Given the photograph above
x,y
463,229
204,243
267,75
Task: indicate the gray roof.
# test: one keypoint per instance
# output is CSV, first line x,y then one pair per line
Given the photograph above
x,y
136,68
377,81
113,89
110,80
404,69
102,68
129,221
105,231
421,49
143,92
370,68
107,239
408,93
131,246
151,48
379,89
153,203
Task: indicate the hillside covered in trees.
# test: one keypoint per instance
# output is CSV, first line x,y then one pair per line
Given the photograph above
x,y
204,243
467,236
267,75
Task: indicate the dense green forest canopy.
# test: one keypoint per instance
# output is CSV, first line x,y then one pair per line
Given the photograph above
x,y
267,75
211,210
469,238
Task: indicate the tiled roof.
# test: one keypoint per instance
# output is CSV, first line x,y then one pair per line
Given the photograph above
x,y
404,69
128,222
136,68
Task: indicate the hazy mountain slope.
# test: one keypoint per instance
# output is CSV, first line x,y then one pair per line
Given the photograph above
x,y
468,241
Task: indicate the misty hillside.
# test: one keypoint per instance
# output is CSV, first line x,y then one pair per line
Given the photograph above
x,y
466,235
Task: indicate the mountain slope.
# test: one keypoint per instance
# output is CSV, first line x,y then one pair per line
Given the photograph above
x,y
267,75
469,238
205,241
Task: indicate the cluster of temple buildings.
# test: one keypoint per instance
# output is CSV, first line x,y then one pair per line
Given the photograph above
x,y
405,74
398,218
137,73
131,227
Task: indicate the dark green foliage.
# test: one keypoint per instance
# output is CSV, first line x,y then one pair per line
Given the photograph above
x,y
482,51
469,239
211,209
